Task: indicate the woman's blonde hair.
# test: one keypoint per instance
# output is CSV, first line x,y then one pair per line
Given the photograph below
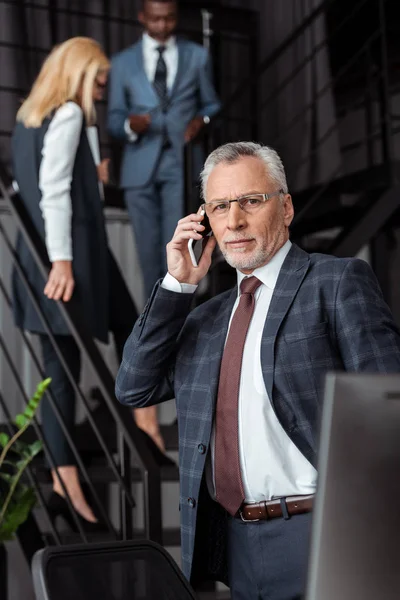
x,y
70,68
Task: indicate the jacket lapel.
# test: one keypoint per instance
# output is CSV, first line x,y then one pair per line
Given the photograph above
x,y
290,277
138,69
217,341
183,60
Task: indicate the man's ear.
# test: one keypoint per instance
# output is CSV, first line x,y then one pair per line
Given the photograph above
x,y
288,209
141,17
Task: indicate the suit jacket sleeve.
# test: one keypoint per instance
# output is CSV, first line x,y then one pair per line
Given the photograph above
x,y
146,374
209,103
367,336
118,109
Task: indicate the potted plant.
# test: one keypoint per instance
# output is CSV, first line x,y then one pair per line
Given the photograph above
x,y
16,497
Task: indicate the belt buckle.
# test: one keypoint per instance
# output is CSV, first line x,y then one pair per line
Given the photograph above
x,y
247,520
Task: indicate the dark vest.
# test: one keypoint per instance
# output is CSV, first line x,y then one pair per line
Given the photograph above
x,y
91,257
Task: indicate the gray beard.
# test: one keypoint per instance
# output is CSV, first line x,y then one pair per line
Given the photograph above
x,y
258,259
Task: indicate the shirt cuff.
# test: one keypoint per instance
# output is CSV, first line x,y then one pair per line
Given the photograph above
x,y
132,136
170,283
62,255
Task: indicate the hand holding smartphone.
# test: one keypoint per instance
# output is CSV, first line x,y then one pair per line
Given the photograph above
x,y
196,247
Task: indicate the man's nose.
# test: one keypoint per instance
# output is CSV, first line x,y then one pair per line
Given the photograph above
x,y
236,217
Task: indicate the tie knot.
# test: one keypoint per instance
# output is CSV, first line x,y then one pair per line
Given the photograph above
x,y
161,50
249,285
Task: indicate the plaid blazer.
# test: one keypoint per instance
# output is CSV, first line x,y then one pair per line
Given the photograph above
x,y
326,314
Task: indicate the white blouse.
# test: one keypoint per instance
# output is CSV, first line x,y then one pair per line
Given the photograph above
x,y
55,176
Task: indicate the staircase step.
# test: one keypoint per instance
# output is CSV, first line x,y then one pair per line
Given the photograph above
x,y
99,472
338,217
375,178
86,440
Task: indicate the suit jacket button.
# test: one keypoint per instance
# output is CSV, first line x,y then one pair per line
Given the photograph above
x,y
201,448
192,502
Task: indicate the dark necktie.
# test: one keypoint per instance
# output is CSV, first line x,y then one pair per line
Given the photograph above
x,y
228,479
160,85
160,78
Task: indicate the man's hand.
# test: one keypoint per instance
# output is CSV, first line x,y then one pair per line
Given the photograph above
x,y
193,128
103,172
139,123
60,283
178,258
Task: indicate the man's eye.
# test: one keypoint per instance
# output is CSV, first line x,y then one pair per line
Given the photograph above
x,y
220,207
253,201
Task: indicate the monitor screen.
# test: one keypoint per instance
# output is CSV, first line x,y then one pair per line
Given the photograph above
x,y
355,544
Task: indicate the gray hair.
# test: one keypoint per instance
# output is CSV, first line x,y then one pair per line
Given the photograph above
x,y
232,152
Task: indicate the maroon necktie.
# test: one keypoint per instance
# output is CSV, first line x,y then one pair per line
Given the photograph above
x,y
228,479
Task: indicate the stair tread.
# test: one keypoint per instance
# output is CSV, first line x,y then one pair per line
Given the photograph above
x,y
100,472
374,178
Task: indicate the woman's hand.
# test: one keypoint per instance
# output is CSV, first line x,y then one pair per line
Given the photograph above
x,y
103,171
60,284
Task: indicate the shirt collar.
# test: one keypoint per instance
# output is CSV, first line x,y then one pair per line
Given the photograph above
x,y
150,44
268,274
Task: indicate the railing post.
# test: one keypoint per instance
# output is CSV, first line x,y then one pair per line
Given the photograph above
x,y
152,504
126,520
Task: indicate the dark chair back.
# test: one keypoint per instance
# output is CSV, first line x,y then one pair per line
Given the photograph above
x,y
123,570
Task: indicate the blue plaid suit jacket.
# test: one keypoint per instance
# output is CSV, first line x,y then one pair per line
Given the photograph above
x,y
326,314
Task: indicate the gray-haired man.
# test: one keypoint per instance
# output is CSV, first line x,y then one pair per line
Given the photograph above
x,y
246,369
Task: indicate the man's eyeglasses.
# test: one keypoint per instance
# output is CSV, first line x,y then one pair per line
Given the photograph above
x,y
249,204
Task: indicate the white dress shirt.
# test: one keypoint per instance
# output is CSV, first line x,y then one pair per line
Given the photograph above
x,y
150,59
271,464
60,145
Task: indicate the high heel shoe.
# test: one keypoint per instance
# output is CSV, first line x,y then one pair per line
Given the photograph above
x,y
161,459
58,507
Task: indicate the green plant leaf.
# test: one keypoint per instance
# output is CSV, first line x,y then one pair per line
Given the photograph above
x,y
4,439
17,512
19,499
26,417
21,464
37,396
29,412
35,448
21,421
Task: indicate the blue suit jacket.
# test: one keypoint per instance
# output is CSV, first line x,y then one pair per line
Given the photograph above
x,y
192,95
326,314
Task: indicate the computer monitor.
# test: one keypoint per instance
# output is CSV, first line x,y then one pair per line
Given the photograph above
x,y
355,540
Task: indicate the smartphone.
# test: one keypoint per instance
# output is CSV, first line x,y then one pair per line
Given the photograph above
x,y
196,247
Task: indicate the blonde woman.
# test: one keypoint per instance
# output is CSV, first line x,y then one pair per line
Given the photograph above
x,y
54,167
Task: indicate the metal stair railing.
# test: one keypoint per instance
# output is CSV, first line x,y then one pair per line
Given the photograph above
x,y
133,444
376,91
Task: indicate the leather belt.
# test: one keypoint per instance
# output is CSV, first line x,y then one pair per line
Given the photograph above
x,y
273,509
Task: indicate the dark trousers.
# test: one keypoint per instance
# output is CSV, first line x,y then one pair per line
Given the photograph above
x,y
267,560
63,391
154,211
122,317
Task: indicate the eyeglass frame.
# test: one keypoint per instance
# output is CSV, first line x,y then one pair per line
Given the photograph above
x,y
229,202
